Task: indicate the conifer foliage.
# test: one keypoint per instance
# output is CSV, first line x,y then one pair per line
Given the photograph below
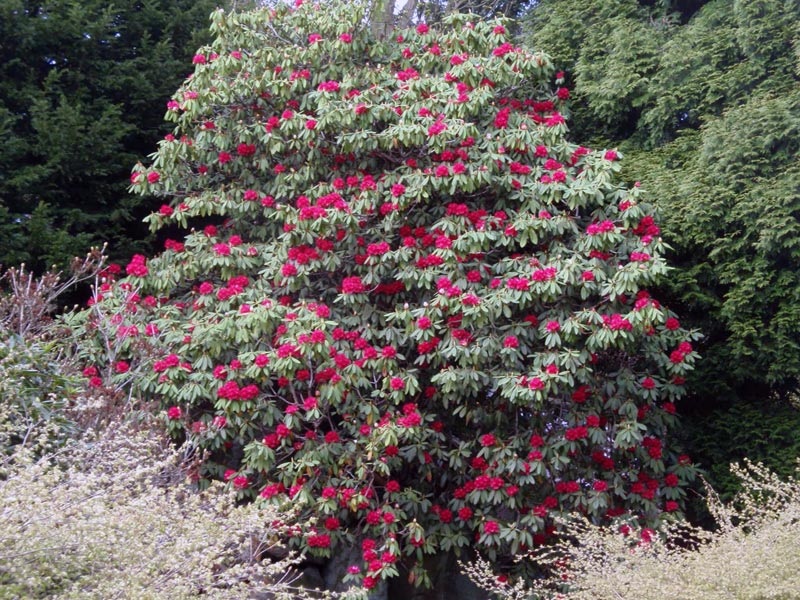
x,y
704,99
404,302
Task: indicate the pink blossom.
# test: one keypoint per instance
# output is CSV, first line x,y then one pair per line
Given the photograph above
x,y
503,49
222,249
488,440
137,267
353,285
491,528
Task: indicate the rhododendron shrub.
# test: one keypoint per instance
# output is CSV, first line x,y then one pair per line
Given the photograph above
x,y
400,300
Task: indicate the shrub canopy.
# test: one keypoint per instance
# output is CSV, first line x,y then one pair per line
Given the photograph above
x,y
403,301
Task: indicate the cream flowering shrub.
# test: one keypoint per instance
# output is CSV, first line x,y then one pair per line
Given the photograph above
x,y
753,554
113,517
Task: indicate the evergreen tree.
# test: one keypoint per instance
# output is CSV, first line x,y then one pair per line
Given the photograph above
x,y
83,88
704,100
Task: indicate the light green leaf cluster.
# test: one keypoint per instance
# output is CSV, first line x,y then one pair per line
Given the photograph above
x,y
33,396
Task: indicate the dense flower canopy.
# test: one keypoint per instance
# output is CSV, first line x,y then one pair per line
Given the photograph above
x,y
403,300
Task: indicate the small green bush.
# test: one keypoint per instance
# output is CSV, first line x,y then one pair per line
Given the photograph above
x,y
34,392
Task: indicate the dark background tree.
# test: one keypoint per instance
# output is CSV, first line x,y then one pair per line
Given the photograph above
x,y
704,100
83,87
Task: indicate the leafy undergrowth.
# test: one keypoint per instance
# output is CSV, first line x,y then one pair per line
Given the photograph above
x,y
112,515
753,554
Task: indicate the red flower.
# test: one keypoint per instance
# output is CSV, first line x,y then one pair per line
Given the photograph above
x,y
568,487
174,412
576,433
353,285
535,383
436,128
137,266
503,49
491,528
322,540
518,283
488,440
501,120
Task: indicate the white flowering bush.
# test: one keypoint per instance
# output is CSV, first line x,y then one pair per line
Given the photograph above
x,y
753,554
112,516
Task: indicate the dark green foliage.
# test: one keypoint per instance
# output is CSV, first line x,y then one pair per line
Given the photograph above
x,y
609,50
762,432
709,116
641,76
731,196
704,98
83,87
